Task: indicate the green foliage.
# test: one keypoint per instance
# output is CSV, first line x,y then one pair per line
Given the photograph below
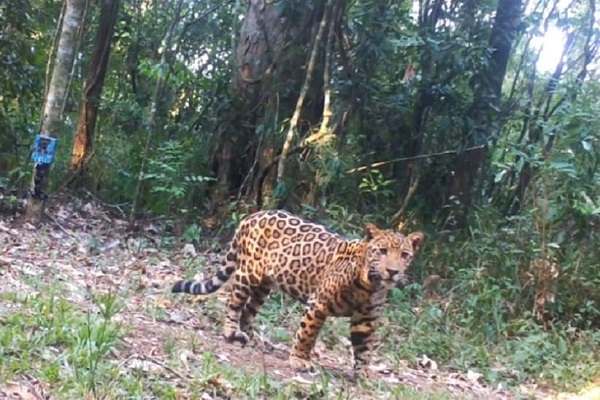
x,y
192,233
449,334
376,185
25,39
59,344
496,304
168,181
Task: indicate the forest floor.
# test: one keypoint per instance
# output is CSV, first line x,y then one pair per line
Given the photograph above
x,y
85,312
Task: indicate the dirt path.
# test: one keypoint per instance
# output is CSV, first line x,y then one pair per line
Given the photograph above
x,y
90,252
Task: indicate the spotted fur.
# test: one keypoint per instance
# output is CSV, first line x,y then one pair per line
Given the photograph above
x,y
333,276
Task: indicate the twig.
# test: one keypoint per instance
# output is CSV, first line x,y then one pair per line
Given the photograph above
x,y
303,145
414,183
125,361
105,204
264,364
162,365
51,218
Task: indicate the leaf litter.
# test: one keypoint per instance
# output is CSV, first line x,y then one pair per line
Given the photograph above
x,y
91,252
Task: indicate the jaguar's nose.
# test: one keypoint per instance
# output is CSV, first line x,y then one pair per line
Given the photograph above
x,y
392,272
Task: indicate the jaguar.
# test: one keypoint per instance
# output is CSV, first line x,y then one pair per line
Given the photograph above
x,y
333,276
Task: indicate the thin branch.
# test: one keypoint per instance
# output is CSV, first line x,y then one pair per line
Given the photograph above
x,y
414,183
303,145
419,157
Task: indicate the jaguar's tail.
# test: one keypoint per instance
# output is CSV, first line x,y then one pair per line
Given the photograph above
x,y
211,285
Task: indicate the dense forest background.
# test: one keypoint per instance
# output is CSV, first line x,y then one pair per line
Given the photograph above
x,y
477,121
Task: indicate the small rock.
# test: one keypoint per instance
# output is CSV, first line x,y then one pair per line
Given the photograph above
x,y
189,250
178,317
474,376
428,363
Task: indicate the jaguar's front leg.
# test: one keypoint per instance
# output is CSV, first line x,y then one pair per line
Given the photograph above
x,y
310,325
362,329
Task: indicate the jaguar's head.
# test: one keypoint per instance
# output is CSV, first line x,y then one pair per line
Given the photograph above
x,y
389,253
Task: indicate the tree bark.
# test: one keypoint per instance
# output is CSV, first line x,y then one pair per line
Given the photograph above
x,y
88,113
56,98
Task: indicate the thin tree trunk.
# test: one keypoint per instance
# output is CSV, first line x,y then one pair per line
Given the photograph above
x,y
88,113
291,133
327,111
161,81
56,98
310,195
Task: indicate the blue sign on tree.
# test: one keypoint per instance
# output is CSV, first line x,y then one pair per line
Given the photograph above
x,y
43,149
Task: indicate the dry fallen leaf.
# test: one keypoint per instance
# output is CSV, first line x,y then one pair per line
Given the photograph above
x,y
381,368
18,391
185,356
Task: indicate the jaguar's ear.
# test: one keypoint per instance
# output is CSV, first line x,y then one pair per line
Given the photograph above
x,y
370,231
416,238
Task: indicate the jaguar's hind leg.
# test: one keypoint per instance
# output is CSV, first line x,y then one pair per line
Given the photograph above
x,y
257,298
258,295
238,297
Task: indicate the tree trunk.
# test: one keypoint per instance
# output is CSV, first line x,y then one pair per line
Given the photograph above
x,y
479,125
88,112
56,99
272,49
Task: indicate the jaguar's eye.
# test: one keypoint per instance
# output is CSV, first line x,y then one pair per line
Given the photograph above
x,y
406,255
383,251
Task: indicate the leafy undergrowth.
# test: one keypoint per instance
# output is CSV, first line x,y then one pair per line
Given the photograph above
x,y
85,313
